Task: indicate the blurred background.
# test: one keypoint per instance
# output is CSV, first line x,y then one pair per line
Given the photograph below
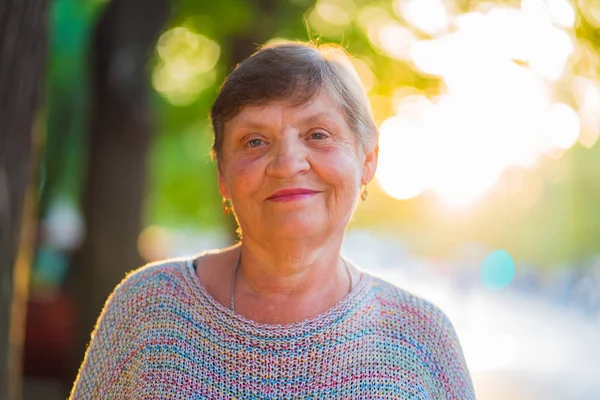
x,y
486,200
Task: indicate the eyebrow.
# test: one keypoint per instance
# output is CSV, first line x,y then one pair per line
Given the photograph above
x,y
310,119
318,116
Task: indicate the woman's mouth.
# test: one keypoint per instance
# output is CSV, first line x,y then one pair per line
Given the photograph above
x,y
296,194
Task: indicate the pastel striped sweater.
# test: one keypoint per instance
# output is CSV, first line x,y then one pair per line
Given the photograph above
x,y
162,336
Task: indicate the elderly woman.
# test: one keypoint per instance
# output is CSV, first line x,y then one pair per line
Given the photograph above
x,y
281,314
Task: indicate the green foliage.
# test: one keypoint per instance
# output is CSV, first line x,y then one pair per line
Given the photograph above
x,y
183,188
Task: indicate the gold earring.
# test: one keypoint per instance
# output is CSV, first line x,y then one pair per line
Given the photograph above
x,y
226,206
364,194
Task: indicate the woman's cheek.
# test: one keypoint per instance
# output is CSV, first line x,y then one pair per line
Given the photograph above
x,y
336,163
246,173
244,164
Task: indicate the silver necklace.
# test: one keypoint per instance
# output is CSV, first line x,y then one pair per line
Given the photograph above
x,y
237,266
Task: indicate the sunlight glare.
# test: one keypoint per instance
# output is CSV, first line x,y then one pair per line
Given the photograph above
x,y
393,39
561,13
586,93
590,129
561,126
429,56
498,68
515,43
553,49
400,172
428,16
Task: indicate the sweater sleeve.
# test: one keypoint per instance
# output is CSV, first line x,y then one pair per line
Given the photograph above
x,y
104,372
452,372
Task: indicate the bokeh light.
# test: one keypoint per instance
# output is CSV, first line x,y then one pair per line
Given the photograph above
x,y
336,12
392,39
428,16
332,17
499,69
366,75
561,126
372,16
562,13
586,93
186,65
497,270
154,243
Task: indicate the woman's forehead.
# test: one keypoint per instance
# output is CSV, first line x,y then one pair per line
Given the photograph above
x,y
319,108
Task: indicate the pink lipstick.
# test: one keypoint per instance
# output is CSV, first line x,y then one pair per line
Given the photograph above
x,y
295,194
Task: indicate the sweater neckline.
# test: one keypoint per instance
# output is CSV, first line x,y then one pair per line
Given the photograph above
x,y
229,320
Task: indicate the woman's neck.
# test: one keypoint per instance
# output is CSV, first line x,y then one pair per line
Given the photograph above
x,y
289,283
289,268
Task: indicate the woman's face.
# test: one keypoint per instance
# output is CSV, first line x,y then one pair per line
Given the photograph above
x,y
293,172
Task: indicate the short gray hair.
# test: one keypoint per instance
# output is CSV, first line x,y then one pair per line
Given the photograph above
x,y
294,72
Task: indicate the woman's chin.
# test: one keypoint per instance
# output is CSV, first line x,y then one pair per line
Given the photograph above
x,y
295,228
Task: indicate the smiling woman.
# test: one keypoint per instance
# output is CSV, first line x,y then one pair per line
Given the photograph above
x,y
292,171
281,314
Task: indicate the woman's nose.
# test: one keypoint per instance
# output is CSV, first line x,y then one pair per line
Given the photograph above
x,y
289,159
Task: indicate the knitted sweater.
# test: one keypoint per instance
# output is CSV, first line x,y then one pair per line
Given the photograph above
x,y
161,335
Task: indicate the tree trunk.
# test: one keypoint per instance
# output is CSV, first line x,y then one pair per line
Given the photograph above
x,y
120,135
23,44
243,45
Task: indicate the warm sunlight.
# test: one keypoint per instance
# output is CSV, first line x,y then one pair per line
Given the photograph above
x,y
498,105
428,16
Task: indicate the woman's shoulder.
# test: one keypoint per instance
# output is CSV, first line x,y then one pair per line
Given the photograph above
x,y
405,306
153,279
418,324
157,273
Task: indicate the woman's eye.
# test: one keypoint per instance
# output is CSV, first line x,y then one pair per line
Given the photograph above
x,y
254,142
318,135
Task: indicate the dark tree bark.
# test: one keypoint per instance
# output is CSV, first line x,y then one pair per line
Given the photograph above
x,y
23,45
246,43
120,136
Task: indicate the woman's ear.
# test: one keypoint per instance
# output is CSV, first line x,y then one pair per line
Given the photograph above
x,y
223,189
370,164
